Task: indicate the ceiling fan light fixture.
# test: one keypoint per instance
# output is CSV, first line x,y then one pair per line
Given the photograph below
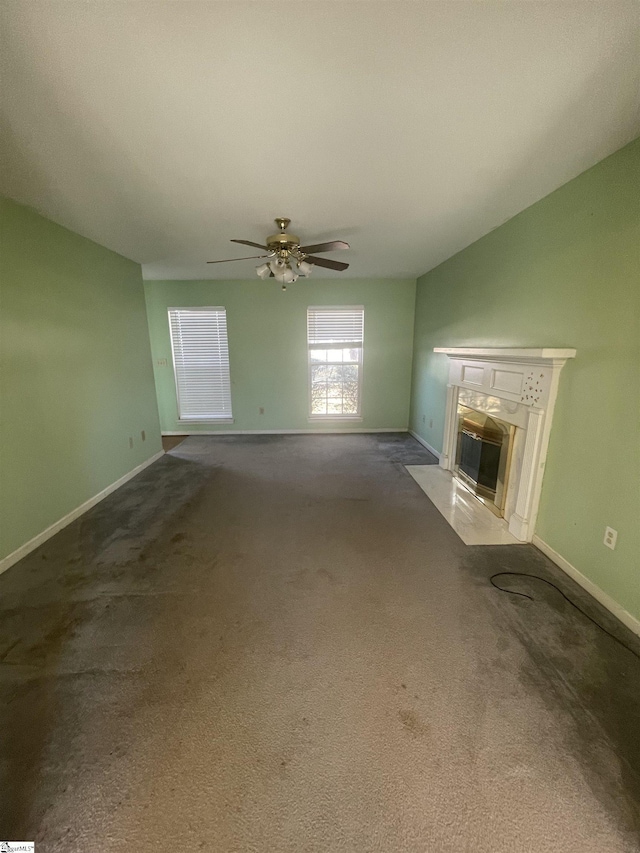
x,y
264,270
285,275
305,269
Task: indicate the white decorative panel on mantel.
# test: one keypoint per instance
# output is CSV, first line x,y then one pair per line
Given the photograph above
x,y
529,384
510,381
472,374
519,386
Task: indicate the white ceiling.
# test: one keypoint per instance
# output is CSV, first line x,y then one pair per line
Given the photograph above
x,y
409,129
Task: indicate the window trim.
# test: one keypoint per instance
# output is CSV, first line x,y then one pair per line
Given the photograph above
x,y
223,419
357,417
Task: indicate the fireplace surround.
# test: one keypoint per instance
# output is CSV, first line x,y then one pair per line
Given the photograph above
x,y
518,387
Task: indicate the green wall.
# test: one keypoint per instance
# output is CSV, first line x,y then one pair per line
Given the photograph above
x,y
77,380
564,272
268,349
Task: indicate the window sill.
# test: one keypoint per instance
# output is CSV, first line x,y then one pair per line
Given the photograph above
x,y
208,421
315,418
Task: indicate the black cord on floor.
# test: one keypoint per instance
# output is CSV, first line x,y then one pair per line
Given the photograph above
x,y
566,598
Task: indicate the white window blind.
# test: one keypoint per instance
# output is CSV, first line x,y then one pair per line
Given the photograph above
x,y
201,363
344,326
335,337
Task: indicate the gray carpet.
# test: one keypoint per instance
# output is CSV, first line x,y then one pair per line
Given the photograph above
x,y
278,644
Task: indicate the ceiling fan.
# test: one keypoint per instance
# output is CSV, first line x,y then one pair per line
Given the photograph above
x,y
287,258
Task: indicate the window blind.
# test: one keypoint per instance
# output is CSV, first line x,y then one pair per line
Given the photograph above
x,y
335,338
201,363
344,326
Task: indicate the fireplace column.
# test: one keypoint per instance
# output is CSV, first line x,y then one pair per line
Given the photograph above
x,y
522,519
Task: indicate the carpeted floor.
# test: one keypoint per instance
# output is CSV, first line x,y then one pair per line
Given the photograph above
x,y
276,644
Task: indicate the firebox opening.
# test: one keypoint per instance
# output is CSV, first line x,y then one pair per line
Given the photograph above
x,y
483,456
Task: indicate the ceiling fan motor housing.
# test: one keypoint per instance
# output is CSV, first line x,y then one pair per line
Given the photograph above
x,y
282,242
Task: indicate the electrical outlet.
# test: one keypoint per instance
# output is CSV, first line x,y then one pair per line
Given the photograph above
x,y
161,362
143,435
610,537
431,423
130,442
261,410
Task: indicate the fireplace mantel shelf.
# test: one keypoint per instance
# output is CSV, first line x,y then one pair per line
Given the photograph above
x,y
530,355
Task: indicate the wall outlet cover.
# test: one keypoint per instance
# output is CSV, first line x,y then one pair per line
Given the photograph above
x,y
610,537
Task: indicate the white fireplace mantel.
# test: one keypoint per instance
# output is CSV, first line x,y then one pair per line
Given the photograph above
x,y
531,355
520,387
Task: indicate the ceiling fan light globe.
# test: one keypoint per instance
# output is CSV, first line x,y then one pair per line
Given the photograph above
x,y
288,276
305,269
263,271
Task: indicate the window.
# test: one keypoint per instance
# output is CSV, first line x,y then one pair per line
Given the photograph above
x,y
201,363
335,337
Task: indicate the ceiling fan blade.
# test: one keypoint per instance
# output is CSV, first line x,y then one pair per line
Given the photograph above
x,y
325,262
228,260
326,247
249,243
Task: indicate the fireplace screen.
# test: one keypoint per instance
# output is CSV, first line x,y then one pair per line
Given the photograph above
x,y
483,456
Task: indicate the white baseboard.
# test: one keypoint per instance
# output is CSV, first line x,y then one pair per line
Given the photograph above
x,y
605,600
32,544
285,431
424,443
